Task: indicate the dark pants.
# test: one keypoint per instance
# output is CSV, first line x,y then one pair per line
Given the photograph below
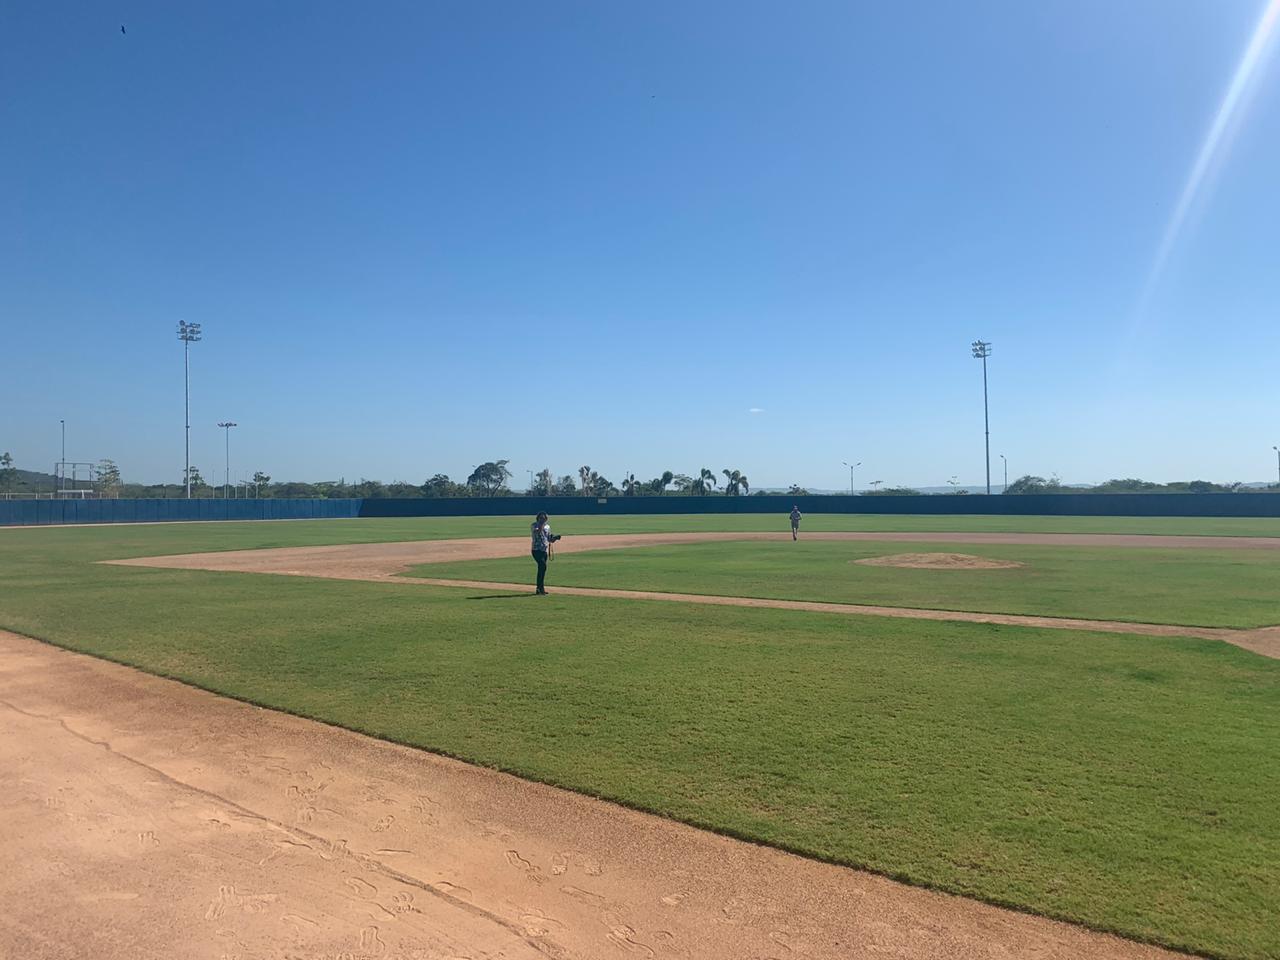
x,y
540,558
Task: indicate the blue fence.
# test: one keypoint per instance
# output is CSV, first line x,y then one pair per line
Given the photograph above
x,y
45,512
1067,504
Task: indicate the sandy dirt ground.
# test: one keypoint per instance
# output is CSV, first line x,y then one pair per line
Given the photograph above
x,y
146,819
388,561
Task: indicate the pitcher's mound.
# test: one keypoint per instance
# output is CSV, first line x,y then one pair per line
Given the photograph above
x,y
938,561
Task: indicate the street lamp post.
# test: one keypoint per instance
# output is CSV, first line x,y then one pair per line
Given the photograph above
x,y
226,425
1006,473
851,466
188,333
982,350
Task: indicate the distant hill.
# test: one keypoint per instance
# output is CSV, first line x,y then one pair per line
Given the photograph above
x,y
36,478
33,481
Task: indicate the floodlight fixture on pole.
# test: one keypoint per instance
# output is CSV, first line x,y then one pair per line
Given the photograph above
x,y
188,333
226,425
982,350
851,466
1006,472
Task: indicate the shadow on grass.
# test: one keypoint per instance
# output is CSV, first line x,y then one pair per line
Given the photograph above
x,y
503,596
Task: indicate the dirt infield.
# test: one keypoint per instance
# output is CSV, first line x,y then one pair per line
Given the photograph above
x,y
143,818
385,561
366,561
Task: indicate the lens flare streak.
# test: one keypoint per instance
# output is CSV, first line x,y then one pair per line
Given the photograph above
x,y
1215,144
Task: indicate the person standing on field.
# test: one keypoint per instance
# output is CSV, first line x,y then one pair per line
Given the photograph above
x,y
795,522
542,539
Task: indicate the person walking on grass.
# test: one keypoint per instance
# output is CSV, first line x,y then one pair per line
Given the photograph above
x,y
543,538
795,522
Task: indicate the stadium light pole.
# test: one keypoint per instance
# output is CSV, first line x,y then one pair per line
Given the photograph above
x,y
982,350
226,426
1006,473
851,466
188,333
1277,450
63,479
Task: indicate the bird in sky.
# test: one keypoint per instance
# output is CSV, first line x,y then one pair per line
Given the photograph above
x,y
122,29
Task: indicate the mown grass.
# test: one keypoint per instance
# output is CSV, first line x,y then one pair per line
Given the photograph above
x,y
183,537
1226,588
1126,783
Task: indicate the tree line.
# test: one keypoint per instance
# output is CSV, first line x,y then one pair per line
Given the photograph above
x,y
493,479
1034,484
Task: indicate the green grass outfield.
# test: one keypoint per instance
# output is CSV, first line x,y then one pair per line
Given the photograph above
x,y
1211,588
1128,783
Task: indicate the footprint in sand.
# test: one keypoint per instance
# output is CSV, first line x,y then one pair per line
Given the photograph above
x,y
371,943
624,936
538,924
520,863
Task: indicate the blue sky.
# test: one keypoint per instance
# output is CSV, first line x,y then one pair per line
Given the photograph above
x,y
423,235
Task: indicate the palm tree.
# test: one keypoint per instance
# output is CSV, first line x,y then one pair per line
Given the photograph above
x,y
666,478
735,482
629,485
585,474
704,482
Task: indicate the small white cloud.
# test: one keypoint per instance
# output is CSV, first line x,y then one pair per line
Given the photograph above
x,y
756,410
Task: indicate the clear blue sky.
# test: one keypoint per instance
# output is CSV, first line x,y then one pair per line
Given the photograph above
x,y
423,235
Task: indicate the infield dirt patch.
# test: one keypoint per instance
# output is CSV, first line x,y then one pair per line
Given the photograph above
x,y
144,818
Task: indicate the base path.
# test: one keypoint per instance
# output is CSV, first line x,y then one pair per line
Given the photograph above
x,y
388,561
146,819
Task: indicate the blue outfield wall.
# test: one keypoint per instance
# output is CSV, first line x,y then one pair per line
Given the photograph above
x,y
52,512
1085,505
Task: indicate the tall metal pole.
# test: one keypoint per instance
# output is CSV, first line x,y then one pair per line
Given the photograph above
x,y
1006,473
986,423
982,350
63,478
188,333
226,426
1277,450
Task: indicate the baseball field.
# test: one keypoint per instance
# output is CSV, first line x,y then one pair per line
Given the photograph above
x,y
1070,718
